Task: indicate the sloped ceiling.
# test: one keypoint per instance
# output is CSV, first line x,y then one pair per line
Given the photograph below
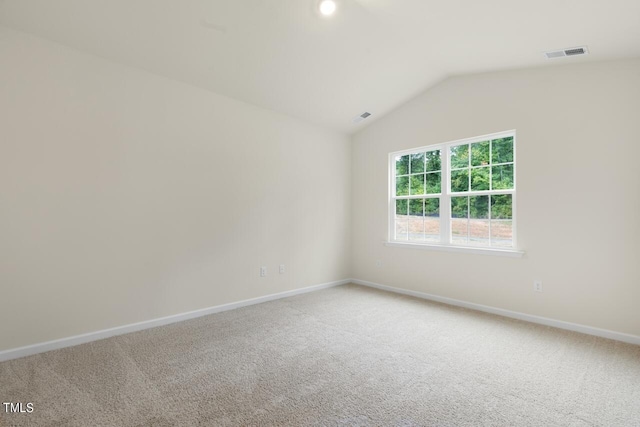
x,y
371,56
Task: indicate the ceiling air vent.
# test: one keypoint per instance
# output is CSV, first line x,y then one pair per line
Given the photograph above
x,y
573,51
361,117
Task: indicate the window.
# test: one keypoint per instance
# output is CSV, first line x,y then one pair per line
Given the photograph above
x,y
457,194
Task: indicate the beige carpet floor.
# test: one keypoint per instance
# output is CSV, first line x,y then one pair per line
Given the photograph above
x,y
338,357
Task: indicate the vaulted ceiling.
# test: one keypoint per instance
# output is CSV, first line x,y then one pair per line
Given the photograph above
x,y
372,55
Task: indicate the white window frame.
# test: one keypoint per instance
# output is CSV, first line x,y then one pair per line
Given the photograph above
x,y
445,243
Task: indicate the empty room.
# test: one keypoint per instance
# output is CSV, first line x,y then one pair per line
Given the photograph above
x,y
319,213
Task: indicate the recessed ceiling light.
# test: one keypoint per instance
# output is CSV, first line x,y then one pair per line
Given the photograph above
x,y
327,7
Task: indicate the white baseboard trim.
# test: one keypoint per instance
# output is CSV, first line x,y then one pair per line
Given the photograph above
x,y
29,350
604,333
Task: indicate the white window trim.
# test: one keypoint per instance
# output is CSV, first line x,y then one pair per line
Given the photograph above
x,y
478,250
445,200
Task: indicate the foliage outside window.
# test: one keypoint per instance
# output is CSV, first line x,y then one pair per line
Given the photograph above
x,y
460,193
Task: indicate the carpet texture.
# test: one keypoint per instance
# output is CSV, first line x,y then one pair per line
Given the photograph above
x,y
338,357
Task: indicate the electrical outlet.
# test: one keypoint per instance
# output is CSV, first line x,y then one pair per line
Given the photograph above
x,y
263,271
281,269
537,285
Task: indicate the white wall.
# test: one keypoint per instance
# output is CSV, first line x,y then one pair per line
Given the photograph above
x,y
578,202
126,197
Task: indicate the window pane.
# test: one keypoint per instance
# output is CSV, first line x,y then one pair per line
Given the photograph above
x,y
501,220
416,219
460,180
480,153
502,177
417,163
401,207
402,186
480,179
432,220
401,219
433,183
502,233
459,207
459,156
417,184
479,222
479,232
479,207
459,221
402,165
432,207
416,207
401,229
502,150
433,161
502,206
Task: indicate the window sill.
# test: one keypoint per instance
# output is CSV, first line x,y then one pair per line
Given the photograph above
x,y
512,253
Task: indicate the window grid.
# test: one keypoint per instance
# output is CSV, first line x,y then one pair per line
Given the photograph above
x,y
489,230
